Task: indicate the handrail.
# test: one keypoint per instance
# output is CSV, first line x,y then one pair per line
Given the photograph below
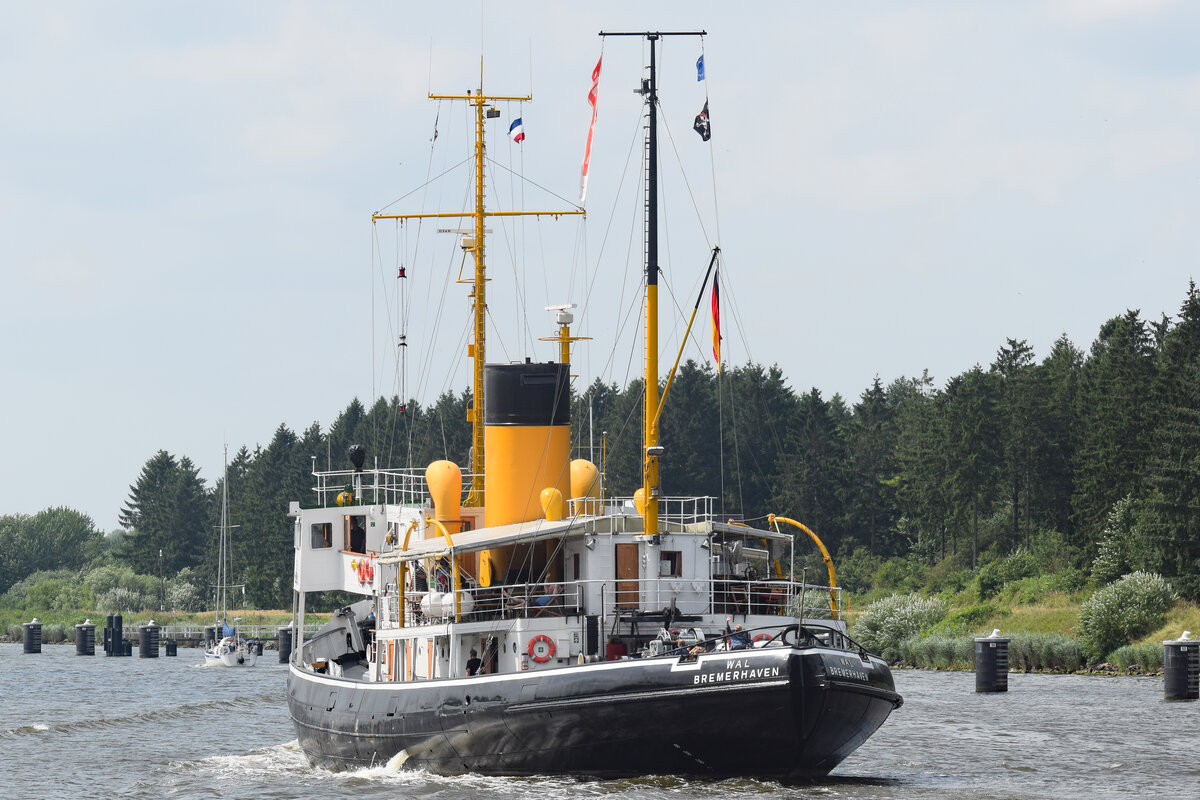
x,y
719,595
400,583
773,520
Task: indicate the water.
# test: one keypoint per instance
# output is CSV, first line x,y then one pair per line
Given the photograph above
x,y
75,726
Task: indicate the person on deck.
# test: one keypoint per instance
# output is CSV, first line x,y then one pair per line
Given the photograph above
x,y
738,638
473,664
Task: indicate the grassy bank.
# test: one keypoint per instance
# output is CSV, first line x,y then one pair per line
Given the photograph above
x,y
1045,635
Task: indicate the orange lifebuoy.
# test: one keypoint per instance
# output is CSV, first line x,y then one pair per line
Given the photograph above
x,y
541,648
365,569
760,637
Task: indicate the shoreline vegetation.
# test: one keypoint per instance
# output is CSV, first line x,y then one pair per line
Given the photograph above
x,y
58,627
1044,635
1058,633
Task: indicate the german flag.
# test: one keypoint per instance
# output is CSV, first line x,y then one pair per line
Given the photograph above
x,y
716,321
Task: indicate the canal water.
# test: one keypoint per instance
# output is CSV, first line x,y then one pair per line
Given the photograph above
x,y
79,726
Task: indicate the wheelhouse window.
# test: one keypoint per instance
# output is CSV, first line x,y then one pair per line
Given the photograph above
x,y
356,533
670,564
322,535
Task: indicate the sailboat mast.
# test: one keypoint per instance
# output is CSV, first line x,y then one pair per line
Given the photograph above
x,y
222,572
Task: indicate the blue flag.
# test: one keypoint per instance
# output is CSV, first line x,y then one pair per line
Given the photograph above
x,y
700,68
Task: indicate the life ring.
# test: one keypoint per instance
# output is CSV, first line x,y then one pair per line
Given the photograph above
x,y
759,638
365,569
541,648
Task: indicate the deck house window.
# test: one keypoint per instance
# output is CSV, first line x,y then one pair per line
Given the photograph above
x,y
322,535
671,564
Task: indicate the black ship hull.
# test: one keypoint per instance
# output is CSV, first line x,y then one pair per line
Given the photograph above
x,y
775,713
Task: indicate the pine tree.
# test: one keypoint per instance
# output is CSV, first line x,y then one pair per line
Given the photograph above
x,y
167,510
871,505
1114,416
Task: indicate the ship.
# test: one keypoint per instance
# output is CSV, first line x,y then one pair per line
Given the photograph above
x,y
514,619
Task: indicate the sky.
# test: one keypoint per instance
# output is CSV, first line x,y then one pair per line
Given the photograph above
x,y
188,260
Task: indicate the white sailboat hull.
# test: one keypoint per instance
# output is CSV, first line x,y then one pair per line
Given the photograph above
x,y
228,653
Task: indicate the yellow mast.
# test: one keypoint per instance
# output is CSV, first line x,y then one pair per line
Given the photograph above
x,y
476,350
650,488
564,318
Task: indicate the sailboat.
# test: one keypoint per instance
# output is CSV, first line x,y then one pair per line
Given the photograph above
x,y
227,648
515,620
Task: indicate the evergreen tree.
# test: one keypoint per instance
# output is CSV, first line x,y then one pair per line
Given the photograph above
x,y
870,501
809,479
1173,470
922,484
1021,422
972,448
1052,493
262,545
690,431
1114,414
167,510
762,415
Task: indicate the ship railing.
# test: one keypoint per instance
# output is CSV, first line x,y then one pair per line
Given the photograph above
x,y
632,599
479,603
374,486
682,510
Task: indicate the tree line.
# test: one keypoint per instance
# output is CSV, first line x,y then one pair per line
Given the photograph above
x,y
1099,450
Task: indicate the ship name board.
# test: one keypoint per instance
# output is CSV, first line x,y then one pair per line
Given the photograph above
x,y
853,674
735,671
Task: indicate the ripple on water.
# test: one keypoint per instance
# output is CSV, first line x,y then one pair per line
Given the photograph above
x,y
91,726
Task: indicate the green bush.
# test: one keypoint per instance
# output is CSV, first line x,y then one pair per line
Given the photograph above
x,y
18,595
1121,543
994,575
1123,611
854,570
965,620
1048,652
1027,591
949,581
121,599
900,573
1147,657
1026,651
938,652
887,622
186,592
105,578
